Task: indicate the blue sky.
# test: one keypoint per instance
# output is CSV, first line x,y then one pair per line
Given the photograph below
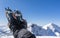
x,y
40,12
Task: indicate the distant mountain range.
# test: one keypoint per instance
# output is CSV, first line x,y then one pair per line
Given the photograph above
x,y
50,29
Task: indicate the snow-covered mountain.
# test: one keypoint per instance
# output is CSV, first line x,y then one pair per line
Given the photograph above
x,y
50,29
55,28
52,26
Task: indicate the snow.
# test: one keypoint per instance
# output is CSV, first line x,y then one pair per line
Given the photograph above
x,y
57,34
36,36
46,37
29,28
49,26
6,37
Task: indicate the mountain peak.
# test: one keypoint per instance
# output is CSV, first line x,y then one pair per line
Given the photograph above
x,y
50,26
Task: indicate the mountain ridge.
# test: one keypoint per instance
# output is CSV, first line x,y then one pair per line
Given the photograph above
x,y
50,29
